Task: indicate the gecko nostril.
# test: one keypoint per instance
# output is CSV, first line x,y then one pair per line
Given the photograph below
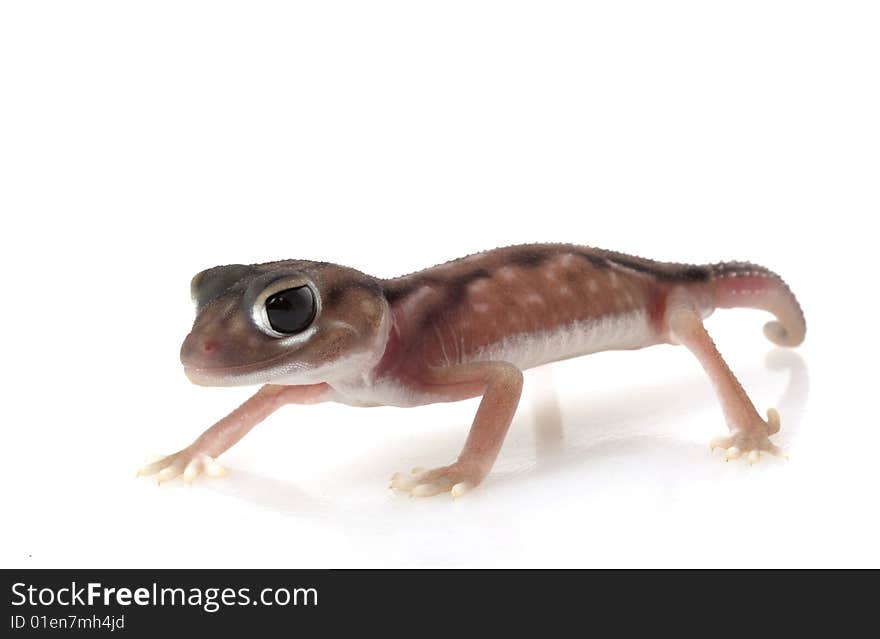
x,y
210,345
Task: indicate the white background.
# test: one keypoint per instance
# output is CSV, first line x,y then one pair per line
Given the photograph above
x,y
143,142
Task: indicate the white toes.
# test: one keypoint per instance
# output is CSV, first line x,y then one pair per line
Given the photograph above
x,y
773,421
183,463
428,490
422,483
776,451
151,467
461,488
403,481
212,468
426,483
752,440
193,469
167,474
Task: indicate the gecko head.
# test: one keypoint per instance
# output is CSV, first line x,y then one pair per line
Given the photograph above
x,y
291,322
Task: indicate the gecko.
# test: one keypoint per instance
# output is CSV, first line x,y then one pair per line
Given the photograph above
x,y
310,331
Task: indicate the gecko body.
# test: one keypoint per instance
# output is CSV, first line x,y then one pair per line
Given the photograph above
x,y
314,331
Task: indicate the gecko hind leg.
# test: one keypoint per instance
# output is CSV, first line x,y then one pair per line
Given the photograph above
x,y
749,433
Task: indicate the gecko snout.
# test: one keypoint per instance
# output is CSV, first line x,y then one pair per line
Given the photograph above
x,y
200,351
210,345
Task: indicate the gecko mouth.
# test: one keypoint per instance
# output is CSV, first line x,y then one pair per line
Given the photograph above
x,y
240,374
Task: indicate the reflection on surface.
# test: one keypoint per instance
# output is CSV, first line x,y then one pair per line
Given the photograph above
x,y
271,494
793,402
547,412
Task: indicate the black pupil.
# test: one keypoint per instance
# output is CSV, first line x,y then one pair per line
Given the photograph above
x,y
291,310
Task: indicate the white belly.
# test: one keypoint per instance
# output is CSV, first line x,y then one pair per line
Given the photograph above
x,y
620,332
625,331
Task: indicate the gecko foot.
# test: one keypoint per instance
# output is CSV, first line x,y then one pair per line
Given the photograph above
x,y
750,443
186,462
456,479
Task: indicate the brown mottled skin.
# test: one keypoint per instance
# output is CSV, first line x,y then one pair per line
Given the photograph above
x,y
462,329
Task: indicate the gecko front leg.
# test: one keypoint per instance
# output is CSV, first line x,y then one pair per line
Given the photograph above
x,y
501,385
750,434
200,456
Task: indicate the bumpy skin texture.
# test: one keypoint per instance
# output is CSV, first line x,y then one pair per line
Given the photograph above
x,y
462,329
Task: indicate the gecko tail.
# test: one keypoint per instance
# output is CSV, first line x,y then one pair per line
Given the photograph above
x,y
746,285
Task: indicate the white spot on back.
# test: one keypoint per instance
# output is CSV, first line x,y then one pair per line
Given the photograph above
x,y
508,273
479,286
567,260
416,299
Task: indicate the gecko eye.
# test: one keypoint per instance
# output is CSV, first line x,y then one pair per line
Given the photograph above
x,y
291,310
